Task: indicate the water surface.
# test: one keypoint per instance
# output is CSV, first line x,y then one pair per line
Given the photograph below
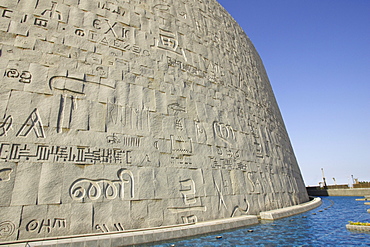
x,y
323,226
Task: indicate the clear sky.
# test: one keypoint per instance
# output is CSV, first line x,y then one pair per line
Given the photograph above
x,y
317,57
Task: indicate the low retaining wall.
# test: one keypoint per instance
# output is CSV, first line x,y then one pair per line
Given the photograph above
x,y
143,236
151,235
314,191
289,211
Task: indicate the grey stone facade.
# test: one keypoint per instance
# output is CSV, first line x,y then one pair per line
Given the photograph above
x,y
127,114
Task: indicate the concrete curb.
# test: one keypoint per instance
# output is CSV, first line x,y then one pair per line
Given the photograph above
x,y
289,211
146,236
358,228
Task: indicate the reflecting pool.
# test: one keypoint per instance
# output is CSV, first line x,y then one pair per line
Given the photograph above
x,y
323,226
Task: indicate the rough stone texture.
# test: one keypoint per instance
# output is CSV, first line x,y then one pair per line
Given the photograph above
x,y
126,114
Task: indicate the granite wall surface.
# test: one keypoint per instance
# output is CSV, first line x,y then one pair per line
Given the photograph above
x,y
127,114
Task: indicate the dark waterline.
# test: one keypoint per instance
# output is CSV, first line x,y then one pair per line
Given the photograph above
x,y
323,226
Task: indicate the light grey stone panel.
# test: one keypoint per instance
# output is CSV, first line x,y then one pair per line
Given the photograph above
x,y
10,218
160,183
50,185
121,215
35,223
145,183
81,218
26,183
139,213
102,218
8,173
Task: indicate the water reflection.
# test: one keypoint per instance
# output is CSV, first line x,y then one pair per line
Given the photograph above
x,y
323,226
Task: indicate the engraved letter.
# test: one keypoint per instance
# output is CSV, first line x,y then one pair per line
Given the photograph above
x,y
34,123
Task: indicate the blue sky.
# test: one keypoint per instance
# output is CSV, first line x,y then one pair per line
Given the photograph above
x,y
317,57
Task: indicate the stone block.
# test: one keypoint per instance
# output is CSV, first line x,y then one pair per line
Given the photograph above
x,y
7,180
26,183
10,219
50,186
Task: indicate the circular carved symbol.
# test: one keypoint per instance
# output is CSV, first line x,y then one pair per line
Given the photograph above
x,y
80,32
7,229
32,226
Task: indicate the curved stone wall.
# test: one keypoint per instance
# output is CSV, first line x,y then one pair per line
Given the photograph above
x,y
127,114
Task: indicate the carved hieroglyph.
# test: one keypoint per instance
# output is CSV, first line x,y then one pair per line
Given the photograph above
x,y
127,114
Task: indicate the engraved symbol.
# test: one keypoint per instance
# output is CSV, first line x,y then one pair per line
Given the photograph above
x,y
161,7
101,71
69,84
188,191
12,73
7,229
179,145
135,49
24,19
112,139
94,189
118,227
189,219
40,22
224,131
80,32
188,194
115,10
111,29
168,42
200,131
32,225
25,77
255,183
242,211
146,159
156,145
71,88
52,12
124,31
198,127
104,227
34,123
6,125
176,108
221,197
96,24
46,225
183,15
179,125
5,174
219,150
5,13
